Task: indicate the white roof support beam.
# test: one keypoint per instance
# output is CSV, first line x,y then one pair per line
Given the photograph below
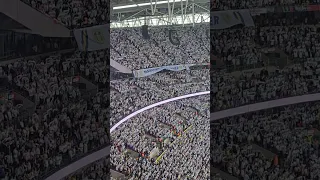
x,y
153,8
170,11
156,4
189,12
183,14
203,8
159,20
193,18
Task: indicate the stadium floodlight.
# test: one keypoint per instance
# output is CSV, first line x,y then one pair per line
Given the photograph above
x,y
147,4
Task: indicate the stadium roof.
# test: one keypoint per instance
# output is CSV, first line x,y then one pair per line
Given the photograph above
x,y
7,23
166,10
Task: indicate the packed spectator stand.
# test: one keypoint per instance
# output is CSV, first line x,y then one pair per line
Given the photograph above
x,y
132,154
278,58
65,121
73,14
63,126
131,50
99,170
298,75
278,143
182,128
134,94
248,4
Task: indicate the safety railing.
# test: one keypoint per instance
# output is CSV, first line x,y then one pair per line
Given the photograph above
x,y
68,161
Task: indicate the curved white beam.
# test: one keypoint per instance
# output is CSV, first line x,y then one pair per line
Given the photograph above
x,y
106,151
75,166
264,105
155,105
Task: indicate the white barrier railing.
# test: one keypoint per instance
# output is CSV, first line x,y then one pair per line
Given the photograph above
x,y
264,105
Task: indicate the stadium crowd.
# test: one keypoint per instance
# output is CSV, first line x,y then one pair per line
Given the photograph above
x,y
247,47
130,49
290,134
134,94
74,14
298,74
62,125
278,143
99,170
237,4
267,84
65,126
142,134
179,129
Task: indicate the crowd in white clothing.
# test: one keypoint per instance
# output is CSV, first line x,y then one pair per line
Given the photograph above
x,y
294,72
134,94
279,143
264,84
61,126
65,123
41,77
237,4
99,170
130,49
249,47
75,14
134,142
297,41
161,129
130,94
236,47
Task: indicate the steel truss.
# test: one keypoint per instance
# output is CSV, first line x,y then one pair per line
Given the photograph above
x,y
186,16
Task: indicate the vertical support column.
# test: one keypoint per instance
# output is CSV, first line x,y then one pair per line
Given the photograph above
x,y
182,16
169,13
153,7
172,11
185,10
193,18
145,17
119,17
